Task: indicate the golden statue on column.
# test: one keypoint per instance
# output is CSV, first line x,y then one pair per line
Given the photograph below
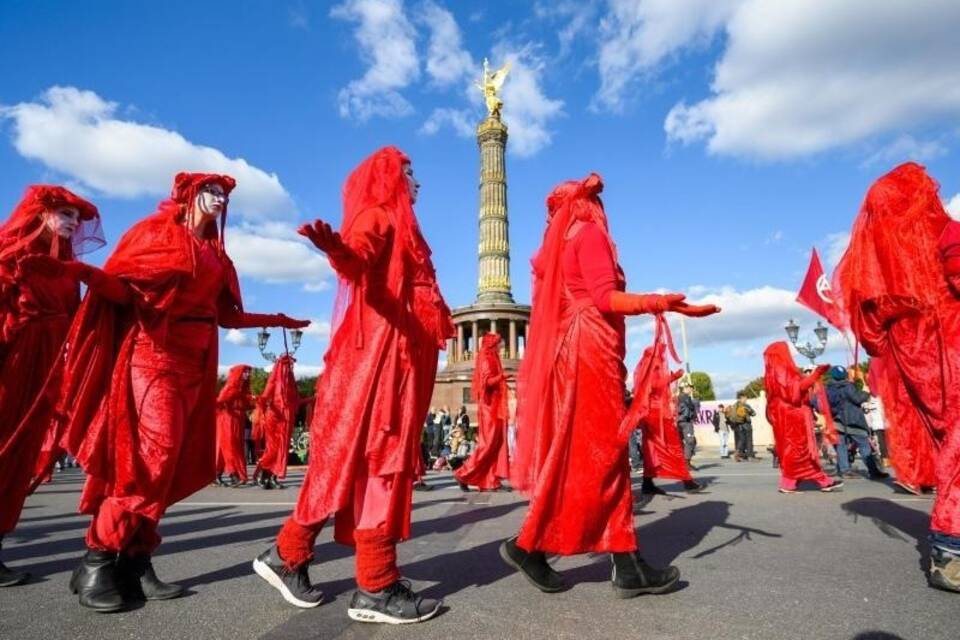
x,y
490,84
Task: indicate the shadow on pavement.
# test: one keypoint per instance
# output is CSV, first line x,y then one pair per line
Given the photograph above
x,y
894,520
876,635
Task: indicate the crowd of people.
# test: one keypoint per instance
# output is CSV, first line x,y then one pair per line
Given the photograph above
x,y
125,381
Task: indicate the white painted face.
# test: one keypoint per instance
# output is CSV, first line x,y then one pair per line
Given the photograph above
x,y
62,221
412,183
211,200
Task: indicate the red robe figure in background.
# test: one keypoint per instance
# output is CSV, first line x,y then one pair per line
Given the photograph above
x,y
490,462
571,452
899,280
792,419
390,322
654,410
278,405
138,396
35,313
233,404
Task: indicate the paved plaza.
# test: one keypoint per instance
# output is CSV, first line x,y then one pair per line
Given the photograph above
x,y
754,564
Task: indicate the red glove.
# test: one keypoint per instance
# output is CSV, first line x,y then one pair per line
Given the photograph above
x,y
50,267
342,258
811,378
695,310
285,321
631,304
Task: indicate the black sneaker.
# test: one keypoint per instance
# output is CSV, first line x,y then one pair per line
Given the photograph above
x,y
464,487
294,586
833,486
692,486
10,577
397,604
533,565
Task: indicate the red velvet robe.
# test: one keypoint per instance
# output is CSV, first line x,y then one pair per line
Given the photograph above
x,y
139,392
278,413
490,462
791,418
572,453
894,282
35,314
233,404
375,389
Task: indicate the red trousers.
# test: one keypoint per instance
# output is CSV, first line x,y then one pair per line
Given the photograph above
x,y
165,397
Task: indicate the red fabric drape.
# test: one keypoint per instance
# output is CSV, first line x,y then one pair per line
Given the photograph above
x,y
278,413
490,462
653,409
233,404
390,322
900,306
570,456
790,417
35,313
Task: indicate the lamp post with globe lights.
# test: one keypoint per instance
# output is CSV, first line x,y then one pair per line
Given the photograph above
x,y
807,349
263,337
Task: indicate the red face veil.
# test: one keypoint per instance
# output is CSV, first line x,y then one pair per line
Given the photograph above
x,y
237,384
25,224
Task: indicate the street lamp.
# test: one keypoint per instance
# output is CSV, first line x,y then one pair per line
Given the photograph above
x,y
263,336
807,349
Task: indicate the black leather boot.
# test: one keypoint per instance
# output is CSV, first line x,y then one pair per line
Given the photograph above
x,y
649,489
633,577
140,581
95,581
533,565
9,577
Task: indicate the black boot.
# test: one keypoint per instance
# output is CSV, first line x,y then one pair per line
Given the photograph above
x,y
265,480
650,489
275,482
397,604
533,565
293,585
140,581
95,581
9,577
633,577
692,486
464,487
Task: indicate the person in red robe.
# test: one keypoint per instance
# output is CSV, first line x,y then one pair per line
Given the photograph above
x,y
654,410
35,312
233,404
278,403
900,286
372,398
490,462
791,417
138,397
571,451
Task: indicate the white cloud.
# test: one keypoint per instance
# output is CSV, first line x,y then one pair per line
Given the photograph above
x,y
318,328
448,62
904,148
797,78
953,207
78,134
527,110
836,244
460,120
239,338
774,238
578,17
637,35
387,46
275,253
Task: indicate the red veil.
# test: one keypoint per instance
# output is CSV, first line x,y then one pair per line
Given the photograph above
x,y
235,386
278,411
569,202
488,365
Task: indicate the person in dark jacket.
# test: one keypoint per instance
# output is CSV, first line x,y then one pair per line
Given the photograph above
x,y
845,406
687,409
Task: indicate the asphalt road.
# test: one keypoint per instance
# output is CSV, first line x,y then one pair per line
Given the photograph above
x,y
754,564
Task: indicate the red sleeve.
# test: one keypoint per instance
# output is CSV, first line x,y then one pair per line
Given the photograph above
x,y
367,236
597,268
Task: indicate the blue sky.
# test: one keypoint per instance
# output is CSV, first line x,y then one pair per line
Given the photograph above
x,y
733,135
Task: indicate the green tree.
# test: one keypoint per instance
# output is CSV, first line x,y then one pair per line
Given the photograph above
x,y
753,389
703,385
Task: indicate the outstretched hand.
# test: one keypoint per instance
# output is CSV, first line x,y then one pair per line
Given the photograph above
x,y
322,236
695,310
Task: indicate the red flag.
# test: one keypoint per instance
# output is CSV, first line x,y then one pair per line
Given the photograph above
x,y
815,293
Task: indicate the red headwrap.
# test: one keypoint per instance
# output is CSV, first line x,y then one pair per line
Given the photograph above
x,y
25,224
488,364
237,384
901,210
